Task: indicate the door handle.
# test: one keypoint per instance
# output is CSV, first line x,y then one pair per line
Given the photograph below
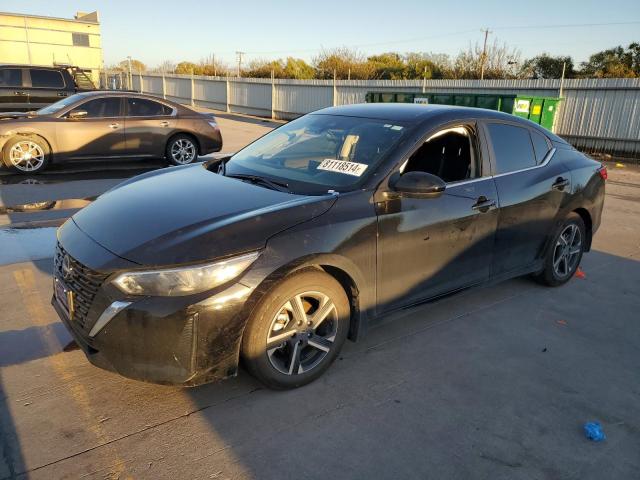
x,y
560,184
164,123
113,126
63,94
483,204
21,94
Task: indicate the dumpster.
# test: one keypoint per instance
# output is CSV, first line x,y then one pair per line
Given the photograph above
x,y
540,110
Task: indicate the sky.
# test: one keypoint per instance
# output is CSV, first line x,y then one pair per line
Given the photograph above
x,y
155,31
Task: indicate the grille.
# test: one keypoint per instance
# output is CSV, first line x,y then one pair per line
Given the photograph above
x,y
84,283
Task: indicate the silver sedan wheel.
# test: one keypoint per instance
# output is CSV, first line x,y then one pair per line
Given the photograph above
x,y
566,253
302,333
183,151
26,156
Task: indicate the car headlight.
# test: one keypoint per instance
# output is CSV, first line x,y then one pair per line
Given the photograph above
x,y
183,281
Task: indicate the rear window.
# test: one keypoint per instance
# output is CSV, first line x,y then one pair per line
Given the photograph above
x,y
540,146
139,107
10,77
46,79
512,147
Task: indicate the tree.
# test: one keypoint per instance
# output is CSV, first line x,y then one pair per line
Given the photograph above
x,y
186,68
388,66
136,65
615,62
427,65
546,66
500,62
298,69
345,63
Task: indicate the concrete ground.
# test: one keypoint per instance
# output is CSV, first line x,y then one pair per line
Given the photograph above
x,y
492,383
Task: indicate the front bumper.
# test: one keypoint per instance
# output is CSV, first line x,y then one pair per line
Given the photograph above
x,y
169,340
155,340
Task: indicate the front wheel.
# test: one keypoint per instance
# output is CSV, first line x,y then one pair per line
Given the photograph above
x,y
563,258
181,150
297,331
26,154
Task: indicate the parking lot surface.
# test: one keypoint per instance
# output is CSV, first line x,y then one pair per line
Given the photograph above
x,y
492,383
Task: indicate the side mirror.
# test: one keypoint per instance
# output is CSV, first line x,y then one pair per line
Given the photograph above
x,y
417,184
78,114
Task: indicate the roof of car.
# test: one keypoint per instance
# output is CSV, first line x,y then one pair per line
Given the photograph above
x,y
411,112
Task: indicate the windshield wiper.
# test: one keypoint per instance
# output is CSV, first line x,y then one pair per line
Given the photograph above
x,y
272,184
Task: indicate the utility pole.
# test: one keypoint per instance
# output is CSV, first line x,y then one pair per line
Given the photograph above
x,y
484,52
240,54
564,66
130,76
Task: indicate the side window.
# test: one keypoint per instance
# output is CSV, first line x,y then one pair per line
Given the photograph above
x,y
540,146
140,107
10,77
80,39
512,147
449,154
100,107
46,78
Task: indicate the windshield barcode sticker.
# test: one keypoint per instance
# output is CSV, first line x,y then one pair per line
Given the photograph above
x,y
341,166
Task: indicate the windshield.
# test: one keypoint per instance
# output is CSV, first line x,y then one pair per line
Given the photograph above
x,y
317,153
59,105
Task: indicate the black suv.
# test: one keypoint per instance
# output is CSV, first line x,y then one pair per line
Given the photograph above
x,y
26,87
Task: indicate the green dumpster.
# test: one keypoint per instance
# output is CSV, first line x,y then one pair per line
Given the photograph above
x,y
541,110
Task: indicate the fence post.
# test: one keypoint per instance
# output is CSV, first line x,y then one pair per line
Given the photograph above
x,y
424,80
227,94
164,86
335,90
192,89
273,95
140,78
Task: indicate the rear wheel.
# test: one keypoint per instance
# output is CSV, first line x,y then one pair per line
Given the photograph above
x,y
297,331
181,150
563,258
26,154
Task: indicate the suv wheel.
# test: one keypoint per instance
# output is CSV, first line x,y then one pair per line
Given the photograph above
x,y
297,330
28,154
181,150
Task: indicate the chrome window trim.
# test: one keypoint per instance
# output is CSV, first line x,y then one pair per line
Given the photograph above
x,y
544,163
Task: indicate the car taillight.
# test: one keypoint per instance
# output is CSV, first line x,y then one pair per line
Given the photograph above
x,y
603,172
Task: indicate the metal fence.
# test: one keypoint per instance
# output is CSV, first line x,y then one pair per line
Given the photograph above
x,y
598,115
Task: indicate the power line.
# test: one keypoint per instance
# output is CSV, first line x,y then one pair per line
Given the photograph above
x,y
448,34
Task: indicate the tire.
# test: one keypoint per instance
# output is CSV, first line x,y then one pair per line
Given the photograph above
x,y
181,150
26,154
557,271
277,318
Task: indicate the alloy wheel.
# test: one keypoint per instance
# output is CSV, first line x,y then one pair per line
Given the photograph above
x,y
567,250
183,151
302,333
26,156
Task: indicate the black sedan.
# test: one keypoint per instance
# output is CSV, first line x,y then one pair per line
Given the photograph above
x,y
106,125
304,238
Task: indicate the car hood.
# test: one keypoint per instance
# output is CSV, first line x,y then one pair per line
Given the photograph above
x,y
189,214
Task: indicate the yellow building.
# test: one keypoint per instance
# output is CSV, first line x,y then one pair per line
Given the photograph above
x,y
37,40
